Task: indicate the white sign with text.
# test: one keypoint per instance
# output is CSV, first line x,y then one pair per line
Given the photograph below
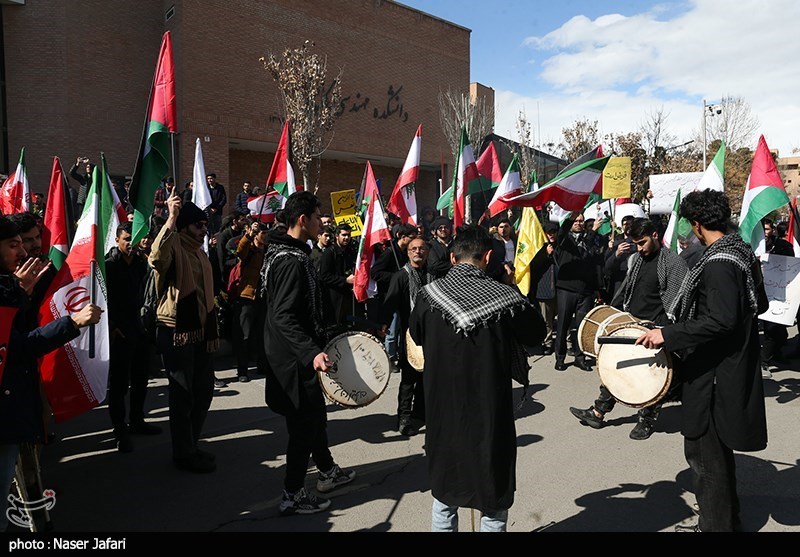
x,y
782,283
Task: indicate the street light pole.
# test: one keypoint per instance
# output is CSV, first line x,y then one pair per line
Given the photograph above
x,y
708,109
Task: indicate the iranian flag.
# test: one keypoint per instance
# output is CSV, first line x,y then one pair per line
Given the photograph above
x,y
490,172
74,379
713,176
465,178
793,230
152,165
57,222
15,194
264,207
510,186
403,201
763,194
281,175
374,232
571,189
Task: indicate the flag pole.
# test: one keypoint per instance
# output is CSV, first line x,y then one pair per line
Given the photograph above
x,y
174,158
391,242
68,209
93,264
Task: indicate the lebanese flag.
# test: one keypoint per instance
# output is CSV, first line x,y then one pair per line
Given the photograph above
x,y
403,201
15,194
264,207
465,178
56,229
281,174
571,189
510,185
152,165
73,380
763,194
793,230
374,232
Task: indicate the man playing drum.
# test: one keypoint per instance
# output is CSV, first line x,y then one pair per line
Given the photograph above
x,y
400,297
293,341
473,329
650,285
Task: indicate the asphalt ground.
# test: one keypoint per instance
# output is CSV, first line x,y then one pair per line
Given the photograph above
x,y
570,478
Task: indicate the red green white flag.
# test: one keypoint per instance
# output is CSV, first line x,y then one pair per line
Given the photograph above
x,y
281,174
153,163
490,172
403,201
763,194
374,232
510,185
15,194
465,178
55,231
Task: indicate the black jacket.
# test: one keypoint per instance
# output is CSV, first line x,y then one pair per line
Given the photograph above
x,y
578,260
386,266
125,284
335,265
439,258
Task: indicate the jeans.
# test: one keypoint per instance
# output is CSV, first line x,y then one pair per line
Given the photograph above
x,y
444,518
390,342
8,465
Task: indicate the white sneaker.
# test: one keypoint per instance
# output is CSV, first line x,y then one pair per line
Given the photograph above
x,y
334,478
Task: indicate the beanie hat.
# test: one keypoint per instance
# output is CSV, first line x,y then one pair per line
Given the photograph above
x,y
441,221
190,214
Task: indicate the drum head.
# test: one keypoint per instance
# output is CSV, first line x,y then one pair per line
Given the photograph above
x,y
611,324
414,353
361,371
587,330
635,375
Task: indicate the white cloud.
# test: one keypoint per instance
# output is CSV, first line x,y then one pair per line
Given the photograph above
x,y
616,69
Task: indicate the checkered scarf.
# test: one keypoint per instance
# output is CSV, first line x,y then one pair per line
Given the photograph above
x,y
670,269
416,280
468,298
730,248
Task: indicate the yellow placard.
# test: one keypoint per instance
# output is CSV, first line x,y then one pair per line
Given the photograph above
x,y
354,221
343,203
617,178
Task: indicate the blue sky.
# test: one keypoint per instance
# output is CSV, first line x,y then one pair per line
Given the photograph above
x,y
619,61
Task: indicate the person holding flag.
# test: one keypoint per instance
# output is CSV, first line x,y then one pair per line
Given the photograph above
x,y
186,332
21,404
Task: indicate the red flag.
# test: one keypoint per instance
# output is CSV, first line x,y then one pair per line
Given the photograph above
x,y
264,207
793,231
374,232
55,232
7,315
281,175
15,195
488,165
403,201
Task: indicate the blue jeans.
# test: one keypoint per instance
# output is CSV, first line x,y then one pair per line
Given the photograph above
x,y
444,518
8,464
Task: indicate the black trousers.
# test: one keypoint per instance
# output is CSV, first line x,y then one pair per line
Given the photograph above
x,y
715,481
775,336
308,437
410,394
572,308
191,388
129,366
605,403
248,334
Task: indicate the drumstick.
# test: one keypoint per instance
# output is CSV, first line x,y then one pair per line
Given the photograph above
x,y
616,340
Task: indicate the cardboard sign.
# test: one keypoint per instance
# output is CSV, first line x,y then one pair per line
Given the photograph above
x,y
782,283
617,178
665,186
354,221
343,202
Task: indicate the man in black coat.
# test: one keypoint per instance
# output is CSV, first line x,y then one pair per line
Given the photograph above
x,y
439,256
20,346
294,338
716,331
336,267
616,257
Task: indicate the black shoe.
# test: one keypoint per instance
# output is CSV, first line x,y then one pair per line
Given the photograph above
x,y
124,443
560,365
143,428
642,430
219,384
407,428
587,417
243,379
547,350
211,457
195,464
688,528
581,363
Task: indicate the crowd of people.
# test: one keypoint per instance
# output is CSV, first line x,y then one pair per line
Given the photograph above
x,y
279,291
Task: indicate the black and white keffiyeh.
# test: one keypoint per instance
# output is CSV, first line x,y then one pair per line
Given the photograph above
x,y
416,280
468,298
730,248
670,269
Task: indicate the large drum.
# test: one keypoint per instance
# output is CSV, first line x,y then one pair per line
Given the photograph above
x,y
414,353
601,320
360,370
635,375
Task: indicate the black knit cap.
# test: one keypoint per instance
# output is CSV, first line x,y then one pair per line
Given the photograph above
x,y
190,214
441,221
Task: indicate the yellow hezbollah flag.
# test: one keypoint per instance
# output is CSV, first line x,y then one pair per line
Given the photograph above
x,y
530,239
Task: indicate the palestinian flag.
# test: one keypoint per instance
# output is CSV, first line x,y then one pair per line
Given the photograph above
x,y
15,194
793,230
403,201
74,379
57,222
763,194
281,175
491,174
713,177
153,163
465,177
264,207
374,232
509,186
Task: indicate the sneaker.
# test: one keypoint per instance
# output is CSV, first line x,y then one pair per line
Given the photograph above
x,y
642,430
243,379
687,528
143,428
334,478
302,502
587,417
219,383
